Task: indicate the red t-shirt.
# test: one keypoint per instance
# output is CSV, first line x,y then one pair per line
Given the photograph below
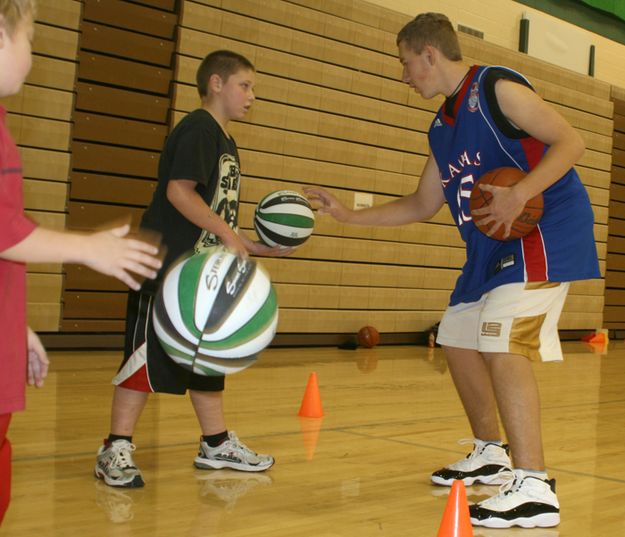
x,y
14,227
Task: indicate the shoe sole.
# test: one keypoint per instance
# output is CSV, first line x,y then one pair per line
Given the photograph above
x,y
468,481
203,464
546,520
137,481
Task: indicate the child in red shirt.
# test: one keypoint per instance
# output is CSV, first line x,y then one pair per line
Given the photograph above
x,y
22,357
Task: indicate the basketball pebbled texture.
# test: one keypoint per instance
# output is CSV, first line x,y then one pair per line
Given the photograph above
x,y
215,311
284,218
524,223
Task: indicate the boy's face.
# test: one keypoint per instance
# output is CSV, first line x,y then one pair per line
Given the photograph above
x,y
417,70
237,93
15,55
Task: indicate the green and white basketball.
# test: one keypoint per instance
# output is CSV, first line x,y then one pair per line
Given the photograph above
x,y
284,218
215,311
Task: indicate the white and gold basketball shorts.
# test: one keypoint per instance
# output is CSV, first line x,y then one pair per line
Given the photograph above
x,y
517,318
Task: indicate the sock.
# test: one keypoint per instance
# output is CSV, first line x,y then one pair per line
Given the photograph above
x,y
112,437
213,440
539,474
494,442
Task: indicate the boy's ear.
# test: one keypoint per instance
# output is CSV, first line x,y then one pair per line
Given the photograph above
x,y
215,83
431,54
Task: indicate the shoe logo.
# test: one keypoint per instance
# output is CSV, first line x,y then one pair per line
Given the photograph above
x,y
491,329
437,123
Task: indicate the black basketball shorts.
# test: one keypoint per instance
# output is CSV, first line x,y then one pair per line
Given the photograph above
x,y
146,367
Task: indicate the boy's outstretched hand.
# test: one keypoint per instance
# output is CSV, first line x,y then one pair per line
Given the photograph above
x,y
326,203
114,255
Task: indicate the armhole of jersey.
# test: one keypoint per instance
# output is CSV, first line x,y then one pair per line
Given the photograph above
x,y
503,124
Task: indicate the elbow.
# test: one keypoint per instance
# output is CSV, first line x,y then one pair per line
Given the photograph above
x,y
171,192
578,147
175,193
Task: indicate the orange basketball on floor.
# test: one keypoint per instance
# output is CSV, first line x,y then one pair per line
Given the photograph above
x,y
368,337
525,222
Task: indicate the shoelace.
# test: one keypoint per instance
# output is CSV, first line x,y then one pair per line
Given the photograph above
x,y
474,452
513,484
235,443
122,456
508,486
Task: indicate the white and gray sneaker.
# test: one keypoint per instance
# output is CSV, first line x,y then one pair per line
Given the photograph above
x,y
482,465
115,466
232,453
525,500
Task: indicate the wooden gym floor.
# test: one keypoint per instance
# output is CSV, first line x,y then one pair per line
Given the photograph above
x,y
391,417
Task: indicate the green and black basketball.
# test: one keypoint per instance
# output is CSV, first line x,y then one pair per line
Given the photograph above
x,y
215,312
284,218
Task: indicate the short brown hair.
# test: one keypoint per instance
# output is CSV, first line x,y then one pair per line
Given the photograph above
x,y
14,11
433,29
220,62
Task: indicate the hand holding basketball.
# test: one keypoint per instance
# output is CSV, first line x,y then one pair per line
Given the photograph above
x,y
497,210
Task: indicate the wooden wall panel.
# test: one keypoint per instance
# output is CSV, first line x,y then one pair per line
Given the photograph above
x,y
614,311
121,121
331,110
39,118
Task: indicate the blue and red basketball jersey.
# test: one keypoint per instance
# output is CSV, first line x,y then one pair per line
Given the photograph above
x,y
470,137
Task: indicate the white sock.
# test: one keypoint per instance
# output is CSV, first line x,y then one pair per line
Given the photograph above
x,y
539,474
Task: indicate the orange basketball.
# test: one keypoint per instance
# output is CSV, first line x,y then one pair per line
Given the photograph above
x,y
368,337
525,222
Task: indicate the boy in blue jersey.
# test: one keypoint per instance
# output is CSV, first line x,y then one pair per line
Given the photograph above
x,y
505,307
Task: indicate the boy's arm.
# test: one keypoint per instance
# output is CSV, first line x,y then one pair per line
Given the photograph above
x,y
182,195
106,251
527,111
419,206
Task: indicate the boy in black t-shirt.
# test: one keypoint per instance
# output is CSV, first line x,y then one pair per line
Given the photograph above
x,y
195,206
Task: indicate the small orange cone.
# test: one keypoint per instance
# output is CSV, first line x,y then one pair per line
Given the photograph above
x,y
310,435
598,337
456,520
311,403
597,348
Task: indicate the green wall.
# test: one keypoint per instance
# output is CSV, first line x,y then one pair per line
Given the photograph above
x,y
606,18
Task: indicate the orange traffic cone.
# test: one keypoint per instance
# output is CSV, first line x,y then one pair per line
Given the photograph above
x,y
456,520
598,337
310,435
311,404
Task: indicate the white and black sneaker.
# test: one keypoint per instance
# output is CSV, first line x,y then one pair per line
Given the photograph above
x,y
482,465
232,453
115,466
525,500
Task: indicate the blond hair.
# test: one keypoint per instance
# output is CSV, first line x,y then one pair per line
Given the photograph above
x,y
433,29
14,11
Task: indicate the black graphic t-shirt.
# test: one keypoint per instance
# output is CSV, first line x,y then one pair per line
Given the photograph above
x,y
197,150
